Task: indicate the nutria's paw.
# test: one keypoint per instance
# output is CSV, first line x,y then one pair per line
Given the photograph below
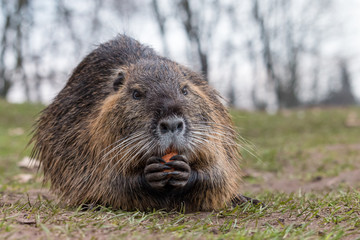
x,y
181,173
154,173
241,199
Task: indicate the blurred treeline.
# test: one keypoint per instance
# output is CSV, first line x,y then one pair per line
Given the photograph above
x,y
260,54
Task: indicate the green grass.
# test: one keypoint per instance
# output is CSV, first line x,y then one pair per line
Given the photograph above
x,y
299,145
16,121
290,136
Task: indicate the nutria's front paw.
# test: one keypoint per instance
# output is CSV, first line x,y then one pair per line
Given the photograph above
x,y
241,199
154,173
180,174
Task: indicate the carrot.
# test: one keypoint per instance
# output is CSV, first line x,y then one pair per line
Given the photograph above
x,y
167,157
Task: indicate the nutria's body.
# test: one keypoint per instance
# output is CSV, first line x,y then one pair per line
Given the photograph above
x,y
124,107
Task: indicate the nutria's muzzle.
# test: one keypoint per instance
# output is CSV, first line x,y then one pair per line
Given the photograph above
x,y
171,132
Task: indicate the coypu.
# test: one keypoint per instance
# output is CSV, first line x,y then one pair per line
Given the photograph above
x,y
123,107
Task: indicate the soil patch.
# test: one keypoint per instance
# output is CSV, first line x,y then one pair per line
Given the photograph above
x,y
286,180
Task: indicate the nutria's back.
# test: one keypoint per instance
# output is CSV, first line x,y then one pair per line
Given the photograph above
x,y
124,107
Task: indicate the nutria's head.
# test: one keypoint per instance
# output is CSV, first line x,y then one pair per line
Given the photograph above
x,y
156,107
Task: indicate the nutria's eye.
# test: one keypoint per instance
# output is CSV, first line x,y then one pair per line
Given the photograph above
x,y
136,95
184,90
118,81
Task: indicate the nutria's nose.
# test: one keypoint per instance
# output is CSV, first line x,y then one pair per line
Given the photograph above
x,y
173,126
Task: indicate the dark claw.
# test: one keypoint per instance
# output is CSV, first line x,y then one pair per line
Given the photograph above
x,y
90,207
179,165
179,158
155,160
241,199
156,167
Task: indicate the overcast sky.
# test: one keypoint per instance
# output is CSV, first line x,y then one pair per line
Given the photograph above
x,y
348,21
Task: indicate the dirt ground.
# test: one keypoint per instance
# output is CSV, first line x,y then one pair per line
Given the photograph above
x,y
286,182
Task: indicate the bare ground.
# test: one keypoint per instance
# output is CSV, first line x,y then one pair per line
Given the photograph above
x,y
286,181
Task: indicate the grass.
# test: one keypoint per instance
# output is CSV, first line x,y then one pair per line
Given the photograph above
x,y
291,136
16,121
311,147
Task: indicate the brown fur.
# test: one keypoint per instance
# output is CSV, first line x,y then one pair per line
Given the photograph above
x,y
76,136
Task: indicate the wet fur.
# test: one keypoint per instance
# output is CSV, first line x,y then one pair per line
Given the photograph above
x,y
93,142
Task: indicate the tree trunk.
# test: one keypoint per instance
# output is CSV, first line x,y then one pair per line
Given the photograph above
x,y
160,19
193,34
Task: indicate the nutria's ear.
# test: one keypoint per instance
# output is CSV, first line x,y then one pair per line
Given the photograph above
x,y
119,80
